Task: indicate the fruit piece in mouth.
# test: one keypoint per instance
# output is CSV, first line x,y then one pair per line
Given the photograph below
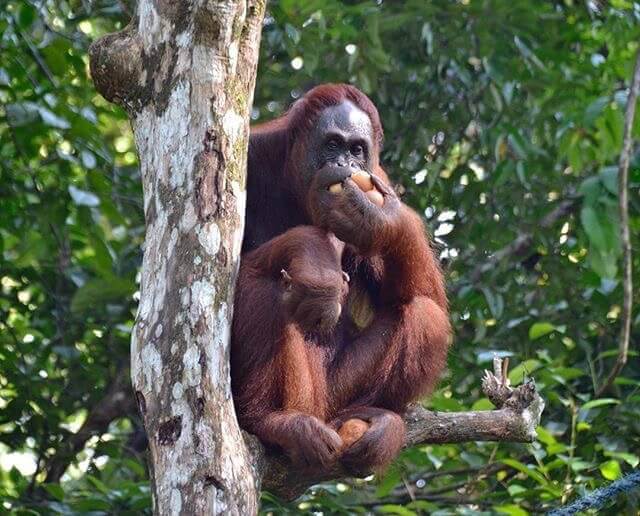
x,y
363,180
365,184
375,197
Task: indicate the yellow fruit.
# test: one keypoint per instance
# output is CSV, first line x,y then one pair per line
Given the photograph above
x,y
352,430
363,180
375,197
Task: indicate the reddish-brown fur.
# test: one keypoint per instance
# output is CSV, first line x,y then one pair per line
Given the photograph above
x,y
386,331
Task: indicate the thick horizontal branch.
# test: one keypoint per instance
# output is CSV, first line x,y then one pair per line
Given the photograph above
x,y
505,425
515,420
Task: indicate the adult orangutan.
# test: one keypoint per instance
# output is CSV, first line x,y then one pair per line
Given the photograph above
x,y
340,313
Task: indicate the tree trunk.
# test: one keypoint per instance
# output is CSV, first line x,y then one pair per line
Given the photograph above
x,y
185,72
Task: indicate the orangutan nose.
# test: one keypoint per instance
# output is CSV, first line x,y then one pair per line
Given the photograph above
x,y
342,161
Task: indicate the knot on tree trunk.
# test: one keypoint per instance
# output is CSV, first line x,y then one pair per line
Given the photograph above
x,y
115,61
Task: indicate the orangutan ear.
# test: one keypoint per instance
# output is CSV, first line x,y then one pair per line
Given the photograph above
x,y
287,280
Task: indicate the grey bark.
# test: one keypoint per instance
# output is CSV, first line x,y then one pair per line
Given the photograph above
x,y
185,72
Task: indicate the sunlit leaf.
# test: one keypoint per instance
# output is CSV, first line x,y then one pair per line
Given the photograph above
x,y
600,402
529,471
610,470
540,329
518,373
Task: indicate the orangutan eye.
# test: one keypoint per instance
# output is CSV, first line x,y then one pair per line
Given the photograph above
x,y
332,144
357,150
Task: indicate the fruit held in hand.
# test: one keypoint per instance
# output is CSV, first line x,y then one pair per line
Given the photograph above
x,y
352,430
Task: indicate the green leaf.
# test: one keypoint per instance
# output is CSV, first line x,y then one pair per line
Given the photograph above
x,y
544,436
482,404
390,479
601,223
55,490
610,126
516,489
529,471
540,329
568,373
591,189
595,109
518,373
594,227
513,510
440,402
629,458
495,302
395,509
53,120
98,484
579,465
527,53
99,292
292,32
609,178
599,403
610,470
21,114
603,263
26,15
92,504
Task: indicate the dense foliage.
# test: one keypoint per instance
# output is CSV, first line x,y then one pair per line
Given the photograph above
x,y
503,125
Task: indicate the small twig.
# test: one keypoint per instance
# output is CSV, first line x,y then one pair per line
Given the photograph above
x,y
42,451
623,205
444,489
409,488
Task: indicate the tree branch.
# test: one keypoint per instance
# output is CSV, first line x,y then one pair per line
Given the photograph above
x,y
623,206
515,420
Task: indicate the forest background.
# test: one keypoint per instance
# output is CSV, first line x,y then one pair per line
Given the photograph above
x,y
503,124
